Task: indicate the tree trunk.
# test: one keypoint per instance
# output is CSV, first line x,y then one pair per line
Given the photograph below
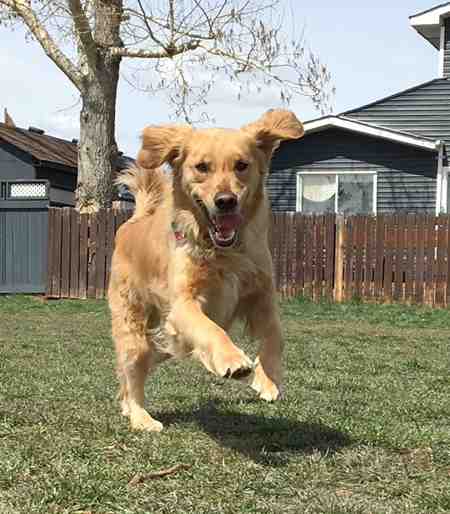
x,y
98,149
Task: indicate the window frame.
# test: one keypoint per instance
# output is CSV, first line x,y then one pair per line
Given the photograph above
x,y
299,186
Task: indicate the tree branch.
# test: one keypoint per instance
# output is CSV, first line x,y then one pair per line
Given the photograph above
x,y
149,54
83,31
22,8
147,24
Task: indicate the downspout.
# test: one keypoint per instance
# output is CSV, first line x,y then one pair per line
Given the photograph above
x,y
441,180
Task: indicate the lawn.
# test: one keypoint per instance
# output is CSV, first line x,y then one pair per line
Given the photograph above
x,y
364,427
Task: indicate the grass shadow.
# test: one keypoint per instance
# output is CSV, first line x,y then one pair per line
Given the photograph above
x,y
268,440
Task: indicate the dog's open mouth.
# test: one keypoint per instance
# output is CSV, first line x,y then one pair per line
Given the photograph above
x,y
223,229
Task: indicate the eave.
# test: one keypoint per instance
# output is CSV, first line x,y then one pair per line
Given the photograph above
x,y
428,23
371,130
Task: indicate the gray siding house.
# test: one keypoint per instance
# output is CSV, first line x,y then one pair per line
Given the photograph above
x,y
37,171
388,156
41,169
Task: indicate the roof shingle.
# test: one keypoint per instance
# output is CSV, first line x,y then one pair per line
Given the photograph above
x,y
41,147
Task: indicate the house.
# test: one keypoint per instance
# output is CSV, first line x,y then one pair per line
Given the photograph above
x,y
37,171
39,168
388,156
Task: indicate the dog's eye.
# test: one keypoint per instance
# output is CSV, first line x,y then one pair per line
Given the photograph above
x,y
202,167
241,166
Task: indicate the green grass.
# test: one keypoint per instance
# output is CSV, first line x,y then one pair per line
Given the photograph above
x,y
364,427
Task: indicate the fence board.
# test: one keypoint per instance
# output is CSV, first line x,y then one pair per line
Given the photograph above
x,y
318,257
275,250
92,259
380,240
369,238
65,253
441,262
340,236
290,255
100,270
84,255
309,250
430,260
330,247
399,256
300,254
411,245
348,266
358,245
75,253
110,234
420,260
389,252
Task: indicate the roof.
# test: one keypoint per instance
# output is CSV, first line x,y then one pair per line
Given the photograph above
x,y
49,149
370,130
427,23
43,148
399,93
432,10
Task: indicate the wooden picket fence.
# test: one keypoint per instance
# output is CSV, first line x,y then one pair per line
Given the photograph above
x,y
387,258
80,248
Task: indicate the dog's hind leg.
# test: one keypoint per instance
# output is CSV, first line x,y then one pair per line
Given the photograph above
x,y
137,356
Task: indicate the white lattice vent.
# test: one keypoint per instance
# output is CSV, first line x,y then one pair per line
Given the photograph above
x,y
28,190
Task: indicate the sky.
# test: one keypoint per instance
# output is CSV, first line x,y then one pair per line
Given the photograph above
x,y
369,47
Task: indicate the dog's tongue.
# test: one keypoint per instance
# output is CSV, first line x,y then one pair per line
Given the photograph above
x,y
228,222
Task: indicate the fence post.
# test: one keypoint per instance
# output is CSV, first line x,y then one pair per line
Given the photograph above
x,y
339,259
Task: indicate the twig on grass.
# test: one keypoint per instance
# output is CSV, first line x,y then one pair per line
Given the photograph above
x,y
138,479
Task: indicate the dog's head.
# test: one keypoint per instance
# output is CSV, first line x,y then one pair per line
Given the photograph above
x,y
219,173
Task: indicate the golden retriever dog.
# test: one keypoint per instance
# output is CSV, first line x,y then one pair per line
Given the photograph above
x,y
194,257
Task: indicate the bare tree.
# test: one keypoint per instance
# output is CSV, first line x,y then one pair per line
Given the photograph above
x,y
188,44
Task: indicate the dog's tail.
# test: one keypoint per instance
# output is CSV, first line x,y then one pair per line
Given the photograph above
x,y
147,186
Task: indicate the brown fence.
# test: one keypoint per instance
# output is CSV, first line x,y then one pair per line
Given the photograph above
x,y
395,258
79,251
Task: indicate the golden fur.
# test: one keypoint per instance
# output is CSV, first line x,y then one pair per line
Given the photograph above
x,y
174,289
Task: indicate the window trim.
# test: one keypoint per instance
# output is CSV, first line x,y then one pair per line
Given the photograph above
x,y
299,186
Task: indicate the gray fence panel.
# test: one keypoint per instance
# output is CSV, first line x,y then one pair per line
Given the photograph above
x,y
23,250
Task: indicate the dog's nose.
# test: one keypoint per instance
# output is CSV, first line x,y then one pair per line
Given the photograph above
x,y
225,201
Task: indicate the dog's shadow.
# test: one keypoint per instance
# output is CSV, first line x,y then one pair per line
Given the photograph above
x,y
266,440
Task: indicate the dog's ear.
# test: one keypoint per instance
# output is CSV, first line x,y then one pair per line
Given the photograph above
x,y
273,127
162,144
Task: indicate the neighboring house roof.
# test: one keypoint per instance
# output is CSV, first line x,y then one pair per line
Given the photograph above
x,y
427,23
422,110
44,148
49,149
394,95
434,9
370,130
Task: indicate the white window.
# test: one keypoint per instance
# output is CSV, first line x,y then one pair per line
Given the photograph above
x,y
341,193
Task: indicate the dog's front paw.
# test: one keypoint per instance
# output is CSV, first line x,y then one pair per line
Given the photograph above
x,y
227,362
267,388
